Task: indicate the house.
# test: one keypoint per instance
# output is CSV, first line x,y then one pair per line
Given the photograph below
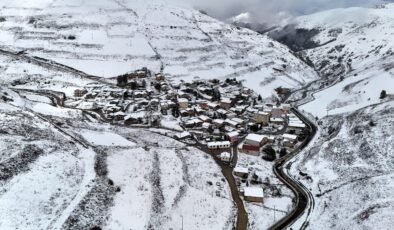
x,y
232,136
238,120
231,115
141,74
296,127
285,108
219,144
134,118
255,139
183,135
254,194
262,118
183,103
241,172
277,120
140,94
276,111
225,156
222,112
119,116
251,149
231,123
218,123
225,103
289,140
205,118
160,77
206,125
80,92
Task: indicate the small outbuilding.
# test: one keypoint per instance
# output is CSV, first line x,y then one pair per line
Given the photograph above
x,y
225,156
254,194
241,172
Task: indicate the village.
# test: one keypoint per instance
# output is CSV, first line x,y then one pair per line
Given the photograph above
x,y
222,117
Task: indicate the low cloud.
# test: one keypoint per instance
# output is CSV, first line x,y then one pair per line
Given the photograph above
x,y
272,11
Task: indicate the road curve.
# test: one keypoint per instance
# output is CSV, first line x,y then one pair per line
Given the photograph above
x,y
303,195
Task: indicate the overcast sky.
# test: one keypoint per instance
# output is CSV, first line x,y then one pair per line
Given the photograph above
x,y
271,11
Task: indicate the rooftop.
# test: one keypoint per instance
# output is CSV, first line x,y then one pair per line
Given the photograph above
x,y
253,192
255,137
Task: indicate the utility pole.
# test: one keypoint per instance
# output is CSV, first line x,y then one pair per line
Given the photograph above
x,y
182,221
274,214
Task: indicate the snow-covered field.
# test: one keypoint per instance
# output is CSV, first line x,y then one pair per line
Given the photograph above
x,y
169,178
124,179
353,93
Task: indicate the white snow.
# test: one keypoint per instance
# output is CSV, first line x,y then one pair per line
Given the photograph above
x,y
105,138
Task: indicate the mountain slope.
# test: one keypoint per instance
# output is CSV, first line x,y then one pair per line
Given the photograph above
x,y
348,166
353,47
349,169
111,37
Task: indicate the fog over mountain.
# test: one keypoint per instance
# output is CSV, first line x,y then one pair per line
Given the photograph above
x,y
271,12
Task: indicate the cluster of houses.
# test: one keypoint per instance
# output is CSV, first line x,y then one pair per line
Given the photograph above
x,y
217,114
134,100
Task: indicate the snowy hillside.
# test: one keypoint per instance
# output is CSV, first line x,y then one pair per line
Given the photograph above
x,y
348,165
66,173
349,169
112,37
353,47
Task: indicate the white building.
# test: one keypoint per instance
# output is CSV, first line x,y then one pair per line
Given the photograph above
x,y
241,171
183,103
254,194
255,139
289,140
219,144
225,156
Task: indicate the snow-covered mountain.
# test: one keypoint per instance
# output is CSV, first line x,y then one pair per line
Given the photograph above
x,y
352,48
349,170
348,166
67,170
111,37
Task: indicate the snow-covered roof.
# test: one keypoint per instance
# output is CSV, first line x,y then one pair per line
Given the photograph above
x,y
255,137
218,121
289,136
241,169
254,192
182,100
225,100
218,143
225,155
183,134
231,122
120,113
233,134
222,111
276,119
263,113
204,118
238,120
296,125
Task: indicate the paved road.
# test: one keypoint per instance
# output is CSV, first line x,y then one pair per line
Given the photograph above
x,y
305,200
242,215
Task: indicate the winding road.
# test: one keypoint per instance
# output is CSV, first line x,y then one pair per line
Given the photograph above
x,y
305,200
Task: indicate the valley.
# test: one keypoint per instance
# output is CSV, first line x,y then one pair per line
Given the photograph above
x,y
123,114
